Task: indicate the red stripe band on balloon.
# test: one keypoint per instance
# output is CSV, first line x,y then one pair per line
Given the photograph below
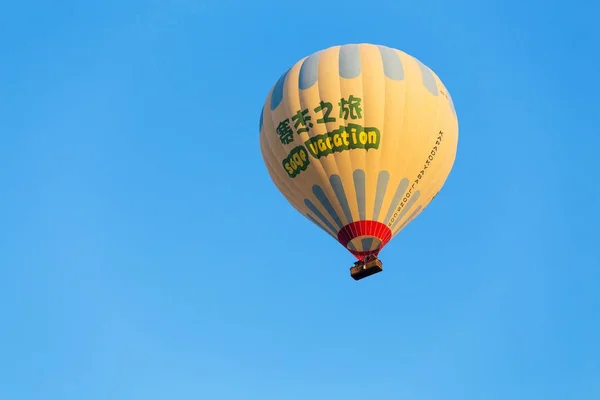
x,y
365,228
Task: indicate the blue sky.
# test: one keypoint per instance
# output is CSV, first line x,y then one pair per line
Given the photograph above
x,y
145,254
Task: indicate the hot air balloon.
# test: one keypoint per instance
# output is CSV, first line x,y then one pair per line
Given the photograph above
x,y
359,138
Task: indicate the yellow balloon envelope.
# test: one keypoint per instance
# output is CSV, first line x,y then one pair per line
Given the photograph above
x,y
359,138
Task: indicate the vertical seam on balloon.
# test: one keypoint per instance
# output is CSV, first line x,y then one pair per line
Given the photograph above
x,y
356,194
339,84
379,229
361,210
337,157
362,173
349,157
377,166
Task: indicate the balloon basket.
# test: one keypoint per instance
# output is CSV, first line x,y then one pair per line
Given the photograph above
x,y
362,269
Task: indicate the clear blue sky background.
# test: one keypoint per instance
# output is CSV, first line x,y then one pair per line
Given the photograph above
x,y
145,254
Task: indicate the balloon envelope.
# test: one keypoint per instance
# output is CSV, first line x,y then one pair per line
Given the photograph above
x,y
359,138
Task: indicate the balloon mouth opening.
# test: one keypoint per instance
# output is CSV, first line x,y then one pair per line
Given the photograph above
x,y
364,243
364,246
